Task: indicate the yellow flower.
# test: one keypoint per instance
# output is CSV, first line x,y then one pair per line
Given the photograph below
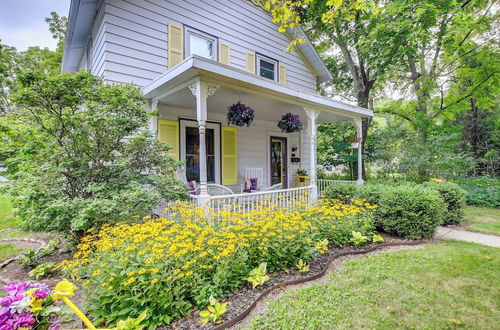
x,y
64,289
154,280
96,272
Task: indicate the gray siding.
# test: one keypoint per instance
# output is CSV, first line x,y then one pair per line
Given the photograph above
x,y
130,37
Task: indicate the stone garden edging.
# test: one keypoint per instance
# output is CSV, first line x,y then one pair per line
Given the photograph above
x,y
316,276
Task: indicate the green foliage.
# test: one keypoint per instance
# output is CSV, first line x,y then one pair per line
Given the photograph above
x,y
302,266
358,239
132,323
454,198
258,275
341,191
481,191
42,270
377,238
30,258
412,212
79,155
214,311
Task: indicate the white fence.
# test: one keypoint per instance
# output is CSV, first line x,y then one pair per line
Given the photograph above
x,y
323,184
283,198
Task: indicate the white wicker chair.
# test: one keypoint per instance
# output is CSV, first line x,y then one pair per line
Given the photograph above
x,y
253,172
216,190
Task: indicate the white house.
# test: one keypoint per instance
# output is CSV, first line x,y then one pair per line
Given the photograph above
x,y
195,58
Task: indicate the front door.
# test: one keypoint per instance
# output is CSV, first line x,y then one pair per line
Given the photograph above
x,y
279,168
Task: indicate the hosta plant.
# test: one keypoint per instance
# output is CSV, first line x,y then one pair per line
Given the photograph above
x,y
358,238
322,246
258,275
214,311
302,266
377,238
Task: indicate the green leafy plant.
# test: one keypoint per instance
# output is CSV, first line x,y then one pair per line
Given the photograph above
x,y
302,266
377,238
454,198
358,238
322,246
214,311
258,275
42,270
132,323
32,258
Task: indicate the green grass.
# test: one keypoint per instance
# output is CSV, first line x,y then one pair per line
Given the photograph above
x,y
7,251
441,285
6,218
483,219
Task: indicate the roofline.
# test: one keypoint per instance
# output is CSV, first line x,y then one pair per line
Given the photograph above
x,y
322,66
201,65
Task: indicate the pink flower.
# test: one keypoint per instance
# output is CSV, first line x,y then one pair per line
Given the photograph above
x,y
40,294
22,320
5,315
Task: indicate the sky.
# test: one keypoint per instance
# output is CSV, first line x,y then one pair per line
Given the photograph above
x,y
22,22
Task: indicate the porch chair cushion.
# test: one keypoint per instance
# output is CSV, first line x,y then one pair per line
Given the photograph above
x,y
250,185
253,182
193,186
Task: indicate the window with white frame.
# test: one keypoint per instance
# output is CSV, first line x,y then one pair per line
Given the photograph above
x,y
267,67
201,44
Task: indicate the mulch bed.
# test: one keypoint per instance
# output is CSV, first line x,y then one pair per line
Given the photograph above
x,y
240,301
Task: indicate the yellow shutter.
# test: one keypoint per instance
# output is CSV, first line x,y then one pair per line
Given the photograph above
x,y
229,156
282,74
224,53
250,62
168,132
175,45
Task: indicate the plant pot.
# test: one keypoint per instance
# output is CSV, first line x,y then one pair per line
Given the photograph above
x,y
302,179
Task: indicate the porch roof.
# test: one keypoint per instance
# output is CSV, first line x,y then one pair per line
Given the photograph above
x,y
195,67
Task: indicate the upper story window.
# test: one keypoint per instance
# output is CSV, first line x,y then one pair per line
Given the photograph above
x,y
201,44
267,67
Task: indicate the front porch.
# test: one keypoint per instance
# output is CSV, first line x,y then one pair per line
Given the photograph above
x,y
192,100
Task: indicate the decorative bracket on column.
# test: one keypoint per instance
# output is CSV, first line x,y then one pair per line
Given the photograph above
x,y
211,89
311,113
154,105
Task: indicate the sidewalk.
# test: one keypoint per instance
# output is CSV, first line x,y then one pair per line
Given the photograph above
x,y
468,236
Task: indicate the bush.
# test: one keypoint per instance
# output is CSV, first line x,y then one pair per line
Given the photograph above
x,y
341,191
454,198
79,156
482,191
412,212
173,267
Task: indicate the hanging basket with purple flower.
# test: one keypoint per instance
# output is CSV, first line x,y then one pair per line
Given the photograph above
x,y
239,114
290,123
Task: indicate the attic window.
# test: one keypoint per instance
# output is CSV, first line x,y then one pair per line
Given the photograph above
x,y
267,67
201,44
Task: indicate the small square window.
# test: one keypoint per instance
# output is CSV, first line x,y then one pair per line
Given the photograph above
x,y
267,67
201,44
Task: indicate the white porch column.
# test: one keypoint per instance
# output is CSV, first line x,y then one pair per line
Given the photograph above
x,y
359,130
201,90
153,121
312,115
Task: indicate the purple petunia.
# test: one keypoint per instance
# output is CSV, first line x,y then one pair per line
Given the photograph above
x,y
290,123
15,288
40,294
22,320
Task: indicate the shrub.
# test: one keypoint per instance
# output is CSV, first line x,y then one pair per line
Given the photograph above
x,y
172,267
454,198
482,191
412,212
341,191
79,155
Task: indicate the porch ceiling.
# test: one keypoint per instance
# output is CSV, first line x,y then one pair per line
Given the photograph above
x,y
269,99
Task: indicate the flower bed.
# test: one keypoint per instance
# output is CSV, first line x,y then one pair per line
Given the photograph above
x,y
172,267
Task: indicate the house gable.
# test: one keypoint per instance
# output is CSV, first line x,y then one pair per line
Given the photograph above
x,y
132,45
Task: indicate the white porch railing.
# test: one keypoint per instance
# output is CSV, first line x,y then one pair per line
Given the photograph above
x,y
323,184
283,198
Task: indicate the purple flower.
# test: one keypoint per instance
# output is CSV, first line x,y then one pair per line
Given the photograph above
x,y
6,327
54,323
15,288
5,314
290,123
40,294
22,320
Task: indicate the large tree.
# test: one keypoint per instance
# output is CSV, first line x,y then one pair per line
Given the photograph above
x,y
79,154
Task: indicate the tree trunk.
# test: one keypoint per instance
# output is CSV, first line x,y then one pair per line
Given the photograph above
x,y
364,101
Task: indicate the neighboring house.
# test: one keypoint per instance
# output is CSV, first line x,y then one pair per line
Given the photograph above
x,y
195,58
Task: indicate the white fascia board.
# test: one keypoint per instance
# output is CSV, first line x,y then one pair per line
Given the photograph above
x,y
202,65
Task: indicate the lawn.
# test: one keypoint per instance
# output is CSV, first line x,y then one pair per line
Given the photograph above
x,y
6,218
441,285
483,219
